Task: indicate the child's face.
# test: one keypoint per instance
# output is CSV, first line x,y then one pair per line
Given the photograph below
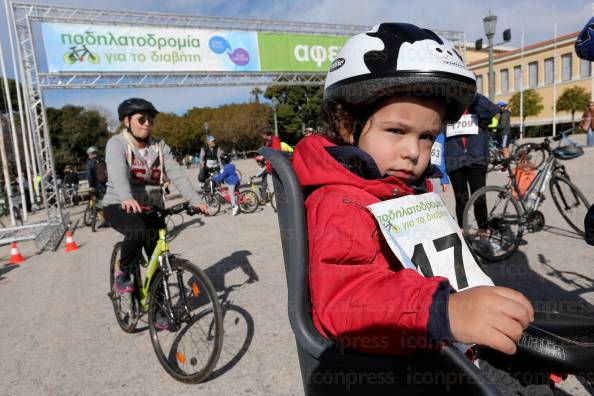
x,y
400,134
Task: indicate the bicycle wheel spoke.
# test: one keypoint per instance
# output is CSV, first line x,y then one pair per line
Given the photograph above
x,y
187,350
570,201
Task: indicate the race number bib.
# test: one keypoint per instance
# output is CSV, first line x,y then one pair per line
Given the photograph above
x,y
436,153
423,235
466,125
212,163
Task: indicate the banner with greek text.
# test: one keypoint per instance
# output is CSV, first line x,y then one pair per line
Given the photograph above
x,y
101,48
298,52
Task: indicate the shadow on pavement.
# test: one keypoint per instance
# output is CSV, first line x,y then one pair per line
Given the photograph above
x,y
173,233
238,323
544,294
562,232
6,269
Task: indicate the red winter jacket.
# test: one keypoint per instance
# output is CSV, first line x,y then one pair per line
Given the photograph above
x,y
360,292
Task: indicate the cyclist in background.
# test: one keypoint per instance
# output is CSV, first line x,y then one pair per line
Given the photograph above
x,y
70,177
97,178
136,163
210,159
229,176
504,127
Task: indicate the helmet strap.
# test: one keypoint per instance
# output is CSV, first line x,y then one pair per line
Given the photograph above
x,y
129,130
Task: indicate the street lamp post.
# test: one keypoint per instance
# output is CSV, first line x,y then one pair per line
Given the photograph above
x,y
490,22
206,132
274,106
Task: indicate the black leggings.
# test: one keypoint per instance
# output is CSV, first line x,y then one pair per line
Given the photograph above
x,y
139,231
461,179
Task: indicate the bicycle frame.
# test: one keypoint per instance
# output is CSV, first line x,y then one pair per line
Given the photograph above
x,y
159,259
538,186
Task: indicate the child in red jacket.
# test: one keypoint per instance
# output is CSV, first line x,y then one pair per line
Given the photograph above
x,y
387,95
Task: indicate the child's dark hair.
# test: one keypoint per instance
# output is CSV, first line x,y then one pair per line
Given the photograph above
x,y
338,116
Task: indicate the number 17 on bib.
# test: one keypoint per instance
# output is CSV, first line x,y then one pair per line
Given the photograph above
x,y
424,236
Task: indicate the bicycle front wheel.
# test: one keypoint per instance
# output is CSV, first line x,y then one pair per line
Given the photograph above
x,y
213,204
125,306
570,201
94,218
492,223
186,301
248,201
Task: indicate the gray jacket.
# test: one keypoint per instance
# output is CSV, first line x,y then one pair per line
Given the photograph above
x,y
131,177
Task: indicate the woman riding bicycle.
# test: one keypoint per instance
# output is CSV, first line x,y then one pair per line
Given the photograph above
x,y
135,165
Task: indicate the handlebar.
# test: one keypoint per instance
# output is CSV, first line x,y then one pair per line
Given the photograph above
x,y
175,209
564,134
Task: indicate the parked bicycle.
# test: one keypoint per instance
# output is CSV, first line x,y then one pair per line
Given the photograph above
x,y
70,194
190,348
216,195
496,234
496,160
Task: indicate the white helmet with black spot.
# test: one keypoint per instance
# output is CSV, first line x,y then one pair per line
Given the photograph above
x,y
400,58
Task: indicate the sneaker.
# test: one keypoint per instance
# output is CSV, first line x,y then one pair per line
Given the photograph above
x,y
123,284
162,321
235,210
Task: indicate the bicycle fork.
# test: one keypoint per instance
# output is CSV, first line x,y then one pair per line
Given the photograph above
x,y
165,265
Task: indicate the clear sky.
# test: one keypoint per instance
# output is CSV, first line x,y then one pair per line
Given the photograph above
x,y
537,18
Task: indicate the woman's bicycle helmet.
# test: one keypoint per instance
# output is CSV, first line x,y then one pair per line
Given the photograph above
x,y
400,58
135,105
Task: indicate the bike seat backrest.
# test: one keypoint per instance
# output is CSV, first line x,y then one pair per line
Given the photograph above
x,y
310,344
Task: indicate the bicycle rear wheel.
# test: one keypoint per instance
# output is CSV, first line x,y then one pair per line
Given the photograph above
x,y
125,306
88,213
248,201
570,201
498,237
190,348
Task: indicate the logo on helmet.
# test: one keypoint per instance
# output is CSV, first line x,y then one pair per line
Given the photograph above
x,y
337,64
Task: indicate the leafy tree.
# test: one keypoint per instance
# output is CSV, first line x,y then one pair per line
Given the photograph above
x,y
72,130
256,92
532,104
13,96
236,126
298,106
573,99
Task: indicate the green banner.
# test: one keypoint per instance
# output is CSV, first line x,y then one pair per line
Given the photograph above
x,y
298,52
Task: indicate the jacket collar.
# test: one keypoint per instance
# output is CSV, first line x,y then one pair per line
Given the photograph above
x,y
318,162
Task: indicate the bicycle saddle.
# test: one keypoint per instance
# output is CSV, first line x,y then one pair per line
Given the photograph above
x,y
554,343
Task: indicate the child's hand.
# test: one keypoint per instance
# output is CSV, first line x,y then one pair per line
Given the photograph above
x,y
490,315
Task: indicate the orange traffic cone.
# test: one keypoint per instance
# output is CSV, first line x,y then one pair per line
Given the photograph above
x,y
15,256
70,244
